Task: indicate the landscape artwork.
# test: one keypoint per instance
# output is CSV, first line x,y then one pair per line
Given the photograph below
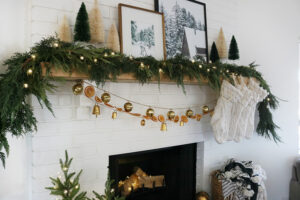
x,y
142,39
185,27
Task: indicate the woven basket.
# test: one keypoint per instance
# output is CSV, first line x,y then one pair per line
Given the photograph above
x,y
216,187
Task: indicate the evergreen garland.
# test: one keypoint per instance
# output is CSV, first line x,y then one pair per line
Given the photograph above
x,y
233,50
214,54
82,27
17,118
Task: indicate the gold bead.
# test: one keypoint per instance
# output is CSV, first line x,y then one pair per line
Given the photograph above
x,y
163,127
96,110
181,123
81,58
189,113
114,115
105,97
77,89
29,72
171,115
128,107
150,112
143,122
205,109
26,85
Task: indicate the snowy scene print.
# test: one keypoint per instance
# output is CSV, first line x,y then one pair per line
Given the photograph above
x,y
185,27
142,39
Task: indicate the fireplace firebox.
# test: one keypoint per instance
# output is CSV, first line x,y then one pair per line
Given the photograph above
x,y
177,166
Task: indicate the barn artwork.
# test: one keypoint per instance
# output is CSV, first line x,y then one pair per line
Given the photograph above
x,y
185,27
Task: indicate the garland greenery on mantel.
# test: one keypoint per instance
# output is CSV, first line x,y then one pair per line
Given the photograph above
x,y
24,77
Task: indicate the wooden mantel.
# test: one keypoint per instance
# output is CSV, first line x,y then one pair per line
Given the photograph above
x,y
125,78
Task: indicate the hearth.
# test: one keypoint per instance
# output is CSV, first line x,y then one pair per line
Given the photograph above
x,y
160,174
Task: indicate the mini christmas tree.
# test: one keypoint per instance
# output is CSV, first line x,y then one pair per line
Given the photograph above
x,y
113,41
82,27
221,45
233,50
67,189
109,193
64,33
96,24
214,55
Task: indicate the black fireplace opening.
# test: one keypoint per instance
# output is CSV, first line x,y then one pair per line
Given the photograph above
x,y
177,166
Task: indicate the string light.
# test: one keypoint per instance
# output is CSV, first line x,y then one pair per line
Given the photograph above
x,y
105,55
33,56
130,57
193,61
142,65
55,44
208,70
95,60
161,70
214,67
65,169
227,70
29,72
26,85
77,186
65,191
81,58
200,66
112,53
268,99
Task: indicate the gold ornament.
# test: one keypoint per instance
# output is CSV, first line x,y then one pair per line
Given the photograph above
x,y
114,115
105,97
202,196
163,127
77,88
26,85
189,113
205,109
150,112
29,72
128,107
181,123
96,110
143,122
171,115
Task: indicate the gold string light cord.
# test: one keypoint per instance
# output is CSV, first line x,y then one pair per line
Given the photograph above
x,y
105,98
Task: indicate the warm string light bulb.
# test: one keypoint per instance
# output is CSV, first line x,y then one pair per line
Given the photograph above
x,y
33,56
95,60
200,66
25,85
29,72
81,58
112,53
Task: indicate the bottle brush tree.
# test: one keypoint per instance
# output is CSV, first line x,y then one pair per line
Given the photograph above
x,y
67,187
221,45
113,40
233,50
214,55
96,24
64,33
82,27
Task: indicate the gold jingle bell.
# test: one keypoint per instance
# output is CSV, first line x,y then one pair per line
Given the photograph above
x,y
163,127
205,109
189,113
171,115
150,112
143,122
114,115
181,123
105,97
77,89
128,107
96,110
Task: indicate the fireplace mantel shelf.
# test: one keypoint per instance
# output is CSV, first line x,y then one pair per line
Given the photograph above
x,y
123,78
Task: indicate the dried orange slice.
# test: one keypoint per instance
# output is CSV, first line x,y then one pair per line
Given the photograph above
x,y
184,119
198,117
154,118
98,100
89,91
161,118
176,119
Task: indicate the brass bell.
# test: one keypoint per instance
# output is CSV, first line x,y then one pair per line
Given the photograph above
x,y
143,122
128,107
150,112
105,97
163,127
181,123
96,110
77,88
114,115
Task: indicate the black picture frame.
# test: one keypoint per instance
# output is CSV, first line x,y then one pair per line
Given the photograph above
x,y
157,3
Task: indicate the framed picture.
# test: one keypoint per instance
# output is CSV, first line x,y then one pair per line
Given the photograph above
x,y
141,32
185,27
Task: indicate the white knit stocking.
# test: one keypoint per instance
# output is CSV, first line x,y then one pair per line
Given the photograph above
x,y
220,121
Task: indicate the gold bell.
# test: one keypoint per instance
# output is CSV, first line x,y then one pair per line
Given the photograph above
x,y
143,122
96,110
114,115
205,109
163,127
181,123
